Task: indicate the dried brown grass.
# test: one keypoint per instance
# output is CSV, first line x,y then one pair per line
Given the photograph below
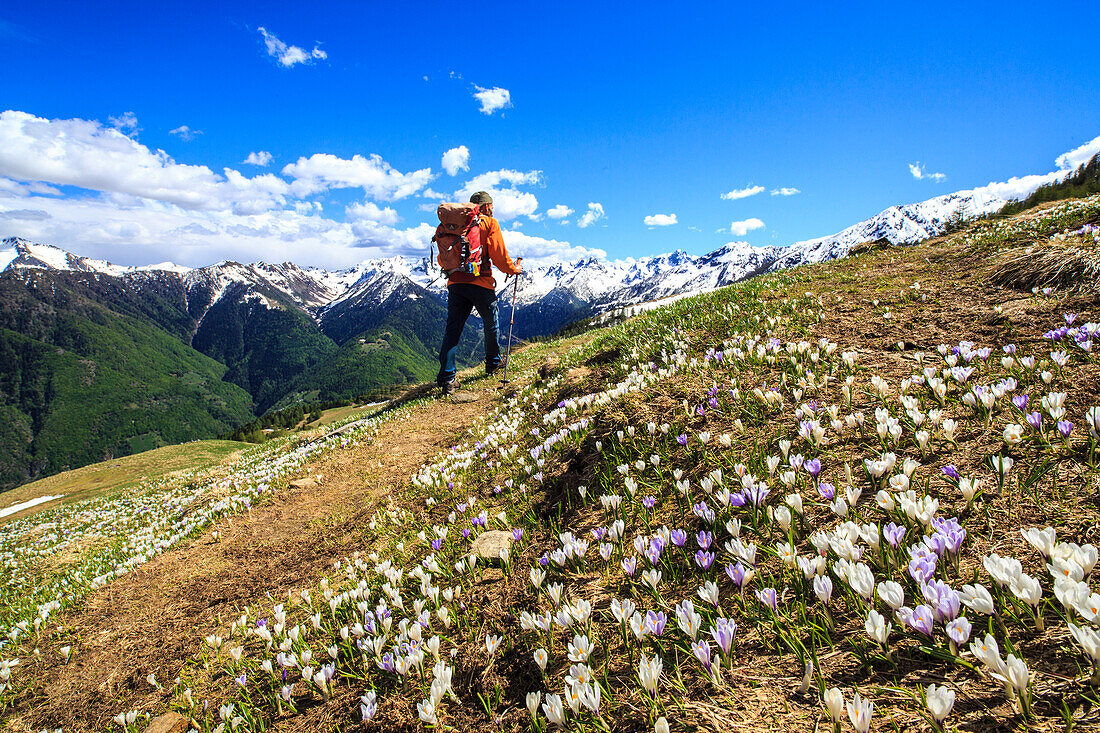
x,y
1070,266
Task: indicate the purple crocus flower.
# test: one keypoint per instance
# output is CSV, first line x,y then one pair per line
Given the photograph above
x,y
736,573
649,502
1020,401
757,494
704,512
1065,427
768,597
630,565
952,533
923,563
242,681
723,633
386,664
713,402
544,560
950,471
678,537
704,540
437,544
1070,318
937,543
704,559
738,499
517,534
655,622
893,534
1009,349
942,599
701,649
921,619
1035,420
682,439
653,554
827,490
813,467
466,533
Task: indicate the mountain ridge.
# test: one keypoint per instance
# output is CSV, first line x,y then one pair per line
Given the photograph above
x,y
601,283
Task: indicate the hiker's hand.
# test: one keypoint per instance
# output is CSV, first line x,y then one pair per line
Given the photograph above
x,y
519,265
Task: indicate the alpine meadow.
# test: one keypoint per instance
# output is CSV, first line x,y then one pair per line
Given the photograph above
x,y
719,447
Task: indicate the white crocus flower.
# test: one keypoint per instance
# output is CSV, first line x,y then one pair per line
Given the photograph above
x,y
939,700
859,712
834,703
1041,539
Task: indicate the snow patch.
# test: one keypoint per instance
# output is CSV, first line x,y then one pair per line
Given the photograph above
x,y
16,508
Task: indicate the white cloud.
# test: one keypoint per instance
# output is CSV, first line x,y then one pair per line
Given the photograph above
x,y
127,122
785,191
559,212
595,213
323,172
494,179
537,250
660,220
289,55
1079,155
920,175
742,193
370,211
261,158
508,201
10,188
456,159
1018,187
741,228
86,154
140,231
185,133
492,99
430,194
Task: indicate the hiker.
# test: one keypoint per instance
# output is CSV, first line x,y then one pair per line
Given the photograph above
x,y
466,291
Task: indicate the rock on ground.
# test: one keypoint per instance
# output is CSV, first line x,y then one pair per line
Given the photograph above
x,y
169,723
490,544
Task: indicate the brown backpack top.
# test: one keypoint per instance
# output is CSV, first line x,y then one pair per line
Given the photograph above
x,y
459,238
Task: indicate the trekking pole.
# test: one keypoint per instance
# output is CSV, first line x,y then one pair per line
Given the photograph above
x,y
511,323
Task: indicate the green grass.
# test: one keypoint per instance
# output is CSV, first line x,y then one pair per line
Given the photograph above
x,y
100,478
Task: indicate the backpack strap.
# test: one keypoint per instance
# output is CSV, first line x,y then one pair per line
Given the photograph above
x,y
475,215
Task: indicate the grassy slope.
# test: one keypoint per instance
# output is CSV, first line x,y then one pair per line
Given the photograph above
x,y
917,297
885,306
91,481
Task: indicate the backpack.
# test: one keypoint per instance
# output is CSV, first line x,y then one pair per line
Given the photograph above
x,y
459,238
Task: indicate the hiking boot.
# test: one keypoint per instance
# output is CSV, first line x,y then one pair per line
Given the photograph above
x,y
490,371
450,387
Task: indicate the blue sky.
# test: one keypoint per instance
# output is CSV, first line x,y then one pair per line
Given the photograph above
x,y
620,111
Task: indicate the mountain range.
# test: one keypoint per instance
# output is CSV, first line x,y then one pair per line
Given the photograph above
x,y
100,360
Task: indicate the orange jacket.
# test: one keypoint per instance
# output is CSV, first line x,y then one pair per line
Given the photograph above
x,y
493,249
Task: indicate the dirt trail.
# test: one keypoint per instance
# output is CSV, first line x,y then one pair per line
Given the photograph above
x,y
154,619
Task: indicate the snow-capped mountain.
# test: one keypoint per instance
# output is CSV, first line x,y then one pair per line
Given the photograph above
x,y
550,294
